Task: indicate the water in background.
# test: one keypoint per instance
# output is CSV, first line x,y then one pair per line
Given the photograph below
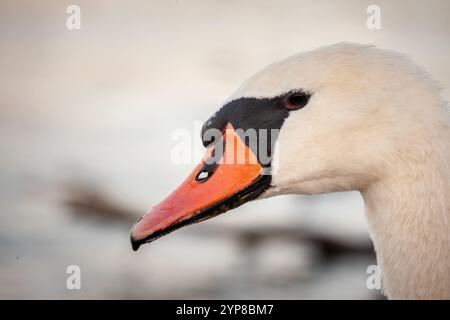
x,y
86,119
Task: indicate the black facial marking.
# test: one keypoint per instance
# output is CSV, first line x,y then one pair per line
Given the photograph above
x,y
257,114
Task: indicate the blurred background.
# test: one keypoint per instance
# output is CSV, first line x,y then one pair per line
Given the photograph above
x,y
86,123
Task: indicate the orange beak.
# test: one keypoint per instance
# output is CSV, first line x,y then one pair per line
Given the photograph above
x,y
223,180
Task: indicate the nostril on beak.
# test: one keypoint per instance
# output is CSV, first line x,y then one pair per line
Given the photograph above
x,y
203,175
206,172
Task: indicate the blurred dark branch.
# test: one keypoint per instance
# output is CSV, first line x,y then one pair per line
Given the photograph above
x,y
252,237
85,201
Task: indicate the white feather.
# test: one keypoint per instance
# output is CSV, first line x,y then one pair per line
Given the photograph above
x,y
375,123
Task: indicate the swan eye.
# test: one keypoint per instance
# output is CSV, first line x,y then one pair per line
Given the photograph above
x,y
295,100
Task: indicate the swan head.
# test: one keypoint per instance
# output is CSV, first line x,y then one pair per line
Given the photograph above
x,y
337,118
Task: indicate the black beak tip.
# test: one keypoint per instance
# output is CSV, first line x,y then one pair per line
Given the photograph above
x,y
135,244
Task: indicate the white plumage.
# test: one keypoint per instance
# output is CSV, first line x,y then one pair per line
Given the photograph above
x,y
375,123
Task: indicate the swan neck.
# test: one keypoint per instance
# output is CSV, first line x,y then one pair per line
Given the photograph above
x,y
409,222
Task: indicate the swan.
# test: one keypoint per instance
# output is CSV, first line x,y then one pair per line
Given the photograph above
x,y
347,117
